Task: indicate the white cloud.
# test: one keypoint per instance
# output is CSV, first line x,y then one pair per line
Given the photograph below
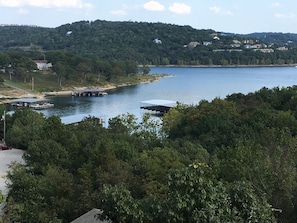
x,y
220,11
23,11
46,3
153,6
119,12
180,8
285,16
276,5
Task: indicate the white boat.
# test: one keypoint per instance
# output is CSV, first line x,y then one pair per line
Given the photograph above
x,y
39,106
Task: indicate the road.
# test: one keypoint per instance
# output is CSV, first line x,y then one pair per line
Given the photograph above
x,y
6,158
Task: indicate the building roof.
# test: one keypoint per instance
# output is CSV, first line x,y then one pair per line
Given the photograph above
x,y
88,90
28,100
158,105
90,217
159,102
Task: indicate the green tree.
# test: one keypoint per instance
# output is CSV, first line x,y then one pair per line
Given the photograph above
x,y
119,206
42,153
26,125
196,196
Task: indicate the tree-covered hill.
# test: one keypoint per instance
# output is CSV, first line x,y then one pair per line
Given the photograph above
x,y
147,43
289,39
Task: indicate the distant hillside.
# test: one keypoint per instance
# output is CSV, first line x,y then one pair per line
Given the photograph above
x,y
149,43
289,39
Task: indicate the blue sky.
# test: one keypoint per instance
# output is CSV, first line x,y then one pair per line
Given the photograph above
x,y
237,16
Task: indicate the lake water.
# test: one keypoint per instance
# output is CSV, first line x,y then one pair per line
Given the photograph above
x,y
186,85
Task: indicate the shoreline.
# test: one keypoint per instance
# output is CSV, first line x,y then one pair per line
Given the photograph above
x,y
225,66
104,88
7,99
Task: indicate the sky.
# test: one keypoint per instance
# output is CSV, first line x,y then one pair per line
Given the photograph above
x,y
235,16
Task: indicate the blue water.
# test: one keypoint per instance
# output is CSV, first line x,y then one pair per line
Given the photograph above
x,y
186,85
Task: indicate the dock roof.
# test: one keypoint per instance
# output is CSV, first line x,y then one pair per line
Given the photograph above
x,y
28,100
88,90
158,105
159,102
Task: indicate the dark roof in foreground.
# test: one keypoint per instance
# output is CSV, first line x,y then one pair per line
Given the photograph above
x,y
90,217
71,119
160,102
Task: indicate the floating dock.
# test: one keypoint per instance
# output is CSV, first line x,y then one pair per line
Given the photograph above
x,y
161,106
34,103
88,92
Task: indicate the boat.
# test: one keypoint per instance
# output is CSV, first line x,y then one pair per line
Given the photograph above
x,y
39,106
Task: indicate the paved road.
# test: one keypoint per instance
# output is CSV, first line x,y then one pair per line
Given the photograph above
x,y
6,158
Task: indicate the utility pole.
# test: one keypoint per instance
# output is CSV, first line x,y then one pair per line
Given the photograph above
x,y
4,125
32,83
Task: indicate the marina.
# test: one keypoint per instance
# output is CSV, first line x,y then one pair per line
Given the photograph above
x,y
187,85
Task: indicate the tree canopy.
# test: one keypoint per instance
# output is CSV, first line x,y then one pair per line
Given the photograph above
x,y
151,43
231,159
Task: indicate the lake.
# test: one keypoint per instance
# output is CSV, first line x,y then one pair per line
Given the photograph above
x,y
186,85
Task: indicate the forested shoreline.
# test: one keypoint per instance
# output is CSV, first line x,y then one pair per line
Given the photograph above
x,y
227,160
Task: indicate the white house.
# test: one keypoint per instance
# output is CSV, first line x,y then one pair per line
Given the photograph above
x,y
43,64
157,41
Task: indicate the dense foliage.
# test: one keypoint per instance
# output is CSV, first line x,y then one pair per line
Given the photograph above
x,y
148,43
231,160
68,70
275,38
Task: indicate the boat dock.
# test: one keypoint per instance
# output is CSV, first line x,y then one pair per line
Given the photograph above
x,y
161,106
76,119
88,92
34,103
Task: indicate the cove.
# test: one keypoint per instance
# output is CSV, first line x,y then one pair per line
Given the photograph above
x,y
187,85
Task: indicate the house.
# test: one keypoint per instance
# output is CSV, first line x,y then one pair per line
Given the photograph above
x,y
265,50
282,48
206,43
90,217
193,44
216,38
235,45
157,41
43,64
236,42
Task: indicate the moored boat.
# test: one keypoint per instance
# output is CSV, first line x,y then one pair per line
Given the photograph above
x,y
39,106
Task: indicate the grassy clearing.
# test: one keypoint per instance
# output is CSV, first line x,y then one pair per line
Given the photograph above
x,y
39,82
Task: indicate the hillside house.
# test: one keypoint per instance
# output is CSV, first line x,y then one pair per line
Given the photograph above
x,y
282,48
206,43
157,41
193,44
236,42
265,50
43,64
